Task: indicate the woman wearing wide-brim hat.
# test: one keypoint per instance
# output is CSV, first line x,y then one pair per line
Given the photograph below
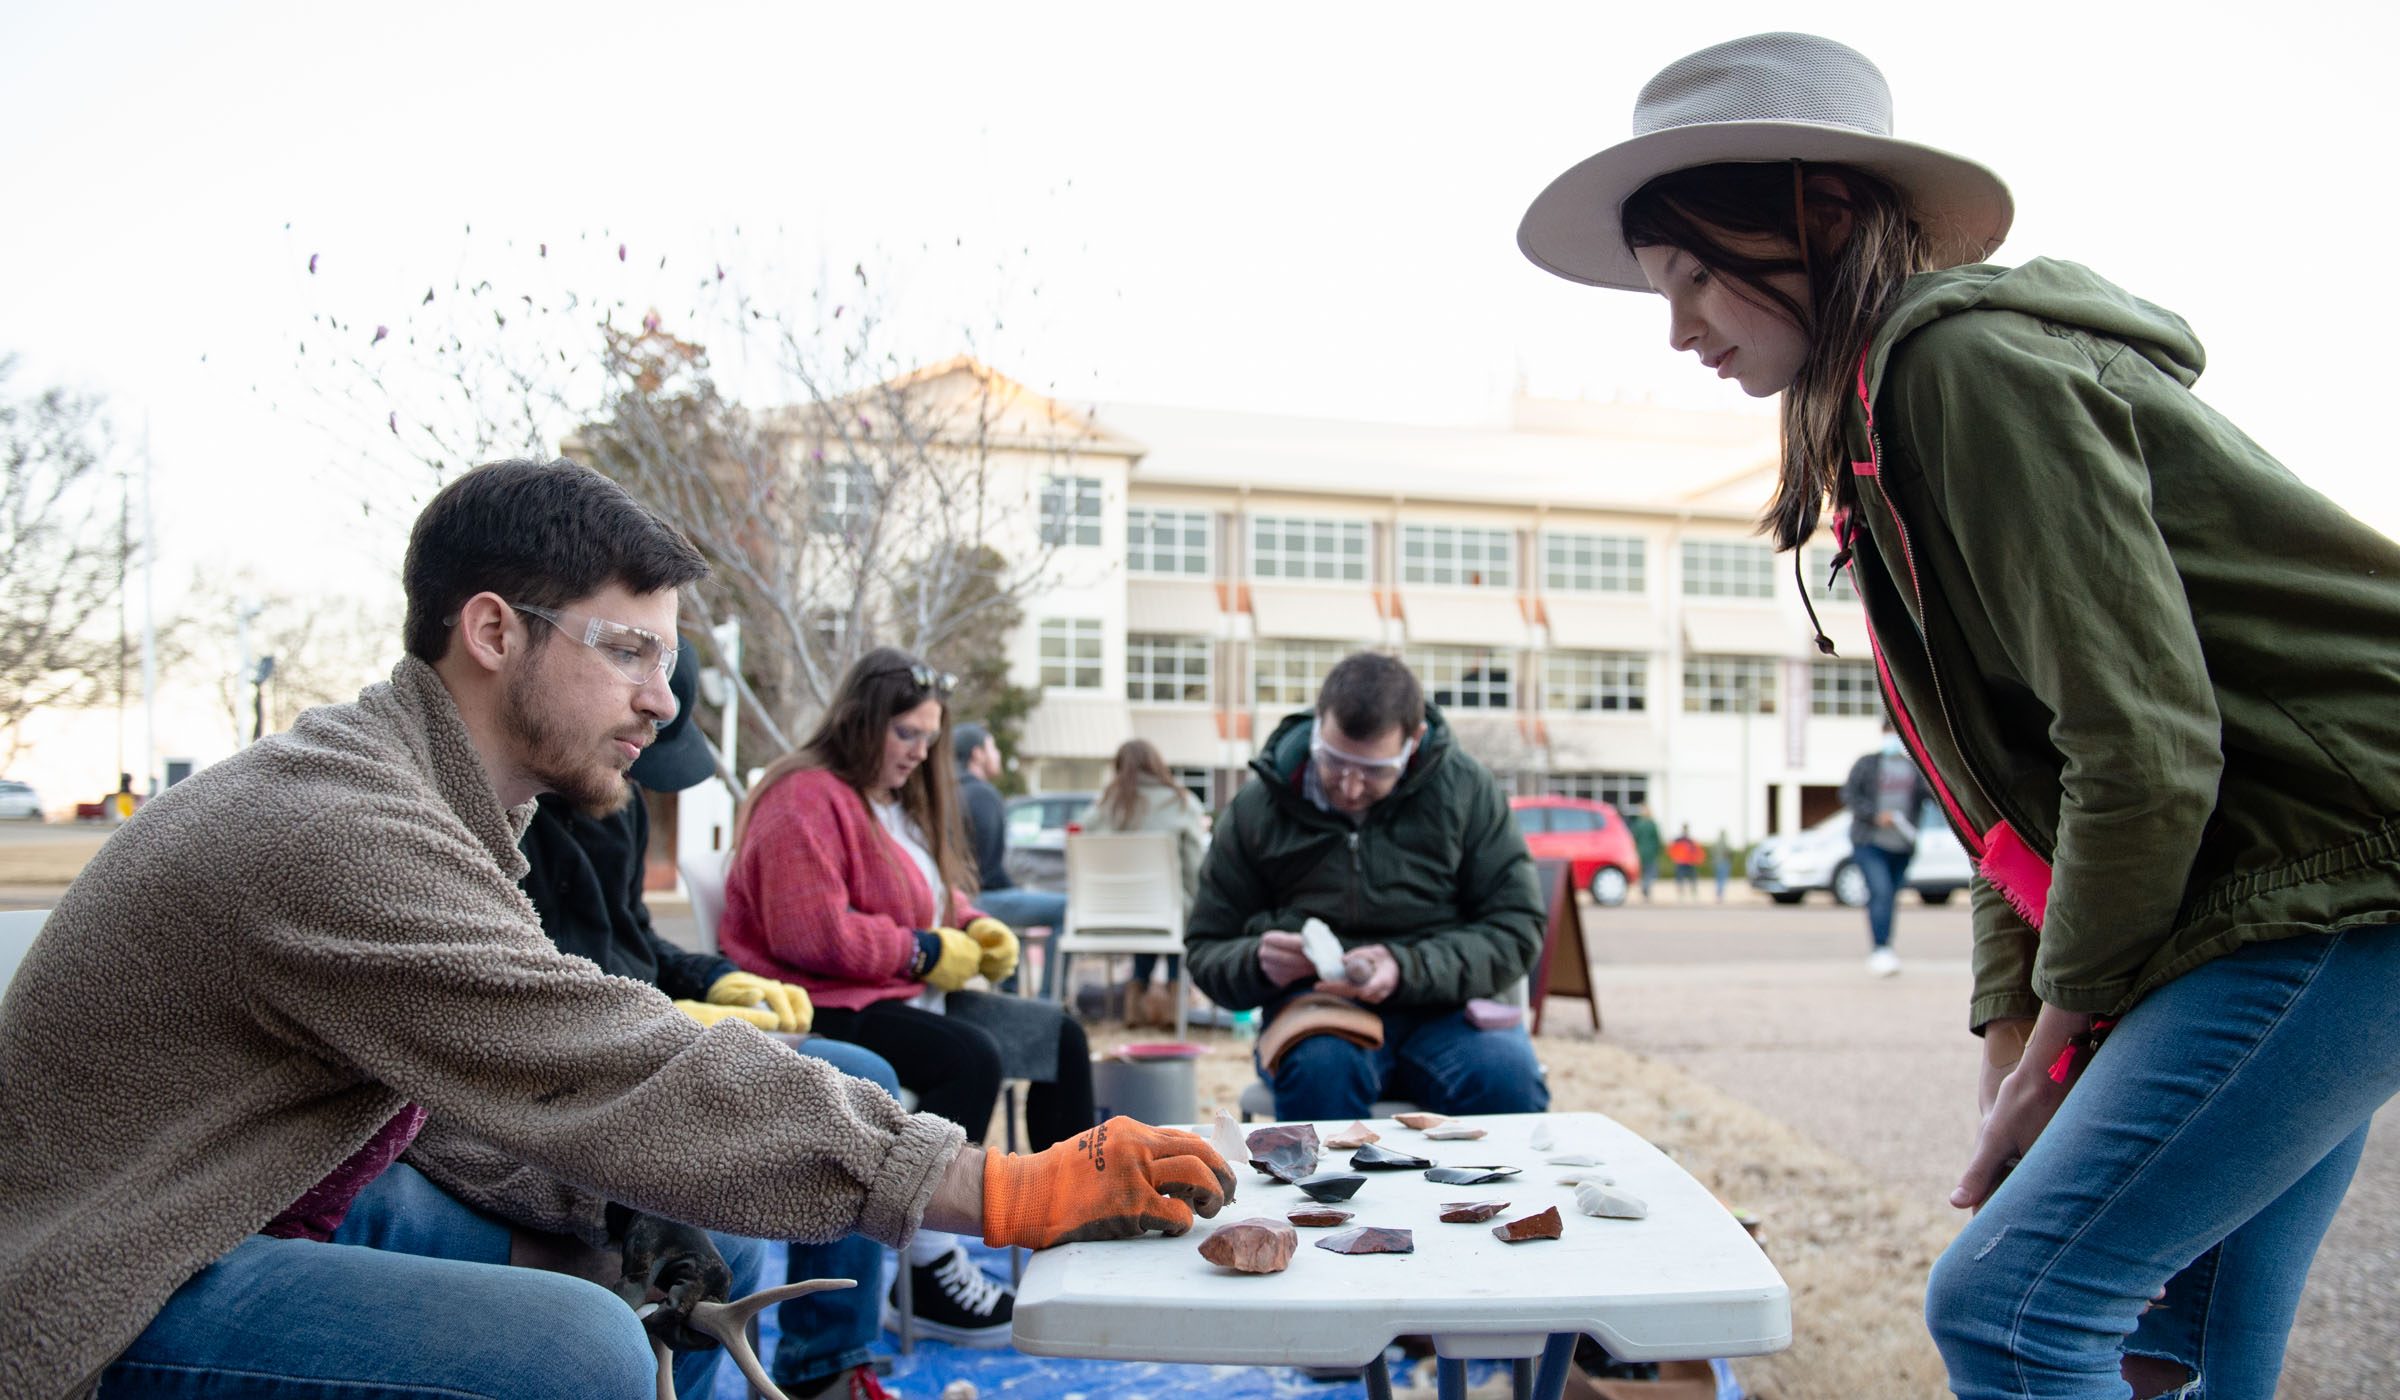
x,y
2153,678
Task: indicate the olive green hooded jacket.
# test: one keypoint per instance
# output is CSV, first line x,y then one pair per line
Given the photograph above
x,y
2154,677
1438,873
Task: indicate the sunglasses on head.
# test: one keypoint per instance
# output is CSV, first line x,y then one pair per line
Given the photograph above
x,y
927,678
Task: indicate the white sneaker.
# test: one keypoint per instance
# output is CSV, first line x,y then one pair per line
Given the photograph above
x,y
1883,962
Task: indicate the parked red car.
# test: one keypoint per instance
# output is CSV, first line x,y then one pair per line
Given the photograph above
x,y
1589,834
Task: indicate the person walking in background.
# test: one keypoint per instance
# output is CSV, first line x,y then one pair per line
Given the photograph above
x,y
1886,796
986,816
1685,854
1646,844
1721,862
1142,795
2153,675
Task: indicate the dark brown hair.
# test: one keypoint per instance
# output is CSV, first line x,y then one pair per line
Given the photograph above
x,y
1369,692
848,742
1137,761
545,533
1850,287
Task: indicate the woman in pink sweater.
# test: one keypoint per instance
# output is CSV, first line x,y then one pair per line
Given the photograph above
x,y
851,877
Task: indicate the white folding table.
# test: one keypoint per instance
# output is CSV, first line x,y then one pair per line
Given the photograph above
x,y
1686,1283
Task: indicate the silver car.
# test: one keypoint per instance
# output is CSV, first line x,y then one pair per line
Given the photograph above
x,y
1818,858
19,802
1037,837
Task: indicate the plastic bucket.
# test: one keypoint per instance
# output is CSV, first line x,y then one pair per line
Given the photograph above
x,y
1158,1092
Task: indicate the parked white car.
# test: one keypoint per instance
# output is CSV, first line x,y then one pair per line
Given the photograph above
x,y
19,802
1788,867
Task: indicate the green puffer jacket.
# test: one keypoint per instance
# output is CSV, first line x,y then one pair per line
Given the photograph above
x,y
2154,677
1438,873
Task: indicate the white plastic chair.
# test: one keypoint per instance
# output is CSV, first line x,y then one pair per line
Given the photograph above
x,y
17,928
704,882
1124,895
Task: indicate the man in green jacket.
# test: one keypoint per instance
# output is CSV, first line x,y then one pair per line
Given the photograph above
x,y
1647,844
1368,818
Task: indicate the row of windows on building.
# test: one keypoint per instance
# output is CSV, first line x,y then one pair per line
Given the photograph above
x,y
1175,544
1171,670
1163,543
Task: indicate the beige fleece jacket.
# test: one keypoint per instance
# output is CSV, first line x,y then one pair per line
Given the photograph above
x,y
272,958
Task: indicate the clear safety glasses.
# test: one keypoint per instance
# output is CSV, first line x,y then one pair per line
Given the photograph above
x,y
636,654
1335,766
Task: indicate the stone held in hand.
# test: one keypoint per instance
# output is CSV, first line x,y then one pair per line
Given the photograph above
x,y
1545,1226
1318,1217
1323,950
1454,1132
1470,1176
1370,1239
1257,1246
1471,1212
1594,1199
1285,1151
1420,1121
1331,1186
1374,1158
1356,1135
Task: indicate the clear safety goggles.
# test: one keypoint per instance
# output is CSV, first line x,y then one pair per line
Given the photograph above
x,y
1334,766
636,654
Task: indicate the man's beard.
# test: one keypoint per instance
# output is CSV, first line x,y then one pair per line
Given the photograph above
x,y
552,756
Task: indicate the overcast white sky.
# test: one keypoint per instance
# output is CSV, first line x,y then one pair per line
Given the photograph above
x,y
1297,208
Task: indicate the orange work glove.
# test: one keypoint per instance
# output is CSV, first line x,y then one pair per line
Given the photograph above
x,y
1114,1182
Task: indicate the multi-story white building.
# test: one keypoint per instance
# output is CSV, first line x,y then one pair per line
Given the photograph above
x,y
1582,592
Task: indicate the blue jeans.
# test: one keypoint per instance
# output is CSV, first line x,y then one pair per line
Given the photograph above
x,y
415,1297
1021,908
2204,1149
403,1212
1885,870
1429,1055
299,1320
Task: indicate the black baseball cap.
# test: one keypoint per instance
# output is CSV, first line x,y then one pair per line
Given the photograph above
x,y
679,756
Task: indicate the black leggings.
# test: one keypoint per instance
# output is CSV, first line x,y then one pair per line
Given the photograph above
x,y
954,1068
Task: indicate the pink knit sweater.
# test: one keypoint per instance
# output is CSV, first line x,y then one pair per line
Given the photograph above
x,y
820,895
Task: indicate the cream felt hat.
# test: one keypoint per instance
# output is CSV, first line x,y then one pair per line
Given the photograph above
x,y
1769,97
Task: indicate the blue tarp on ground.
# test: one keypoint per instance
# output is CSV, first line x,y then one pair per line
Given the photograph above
x,y
1009,1372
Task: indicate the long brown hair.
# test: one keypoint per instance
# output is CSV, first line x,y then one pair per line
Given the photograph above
x,y
1850,287
848,742
1137,759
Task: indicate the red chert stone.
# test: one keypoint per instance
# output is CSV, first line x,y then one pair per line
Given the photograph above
x,y
1370,1239
1545,1226
1323,1217
1472,1212
1258,1246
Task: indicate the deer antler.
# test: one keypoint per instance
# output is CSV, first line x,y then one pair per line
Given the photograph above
x,y
729,1323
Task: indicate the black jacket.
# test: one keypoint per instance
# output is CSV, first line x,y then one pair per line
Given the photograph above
x,y
585,880
987,830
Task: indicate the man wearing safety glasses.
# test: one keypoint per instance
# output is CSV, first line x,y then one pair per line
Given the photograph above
x,y
1368,819
252,999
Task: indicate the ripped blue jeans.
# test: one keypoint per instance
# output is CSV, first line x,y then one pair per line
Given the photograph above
x,y
2204,1150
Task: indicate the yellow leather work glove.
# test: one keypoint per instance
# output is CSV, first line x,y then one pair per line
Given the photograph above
x,y
708,1015
1114,1182
793,1013
999,946
946,958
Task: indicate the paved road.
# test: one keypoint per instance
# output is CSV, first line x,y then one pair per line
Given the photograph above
x,y
1773,1005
